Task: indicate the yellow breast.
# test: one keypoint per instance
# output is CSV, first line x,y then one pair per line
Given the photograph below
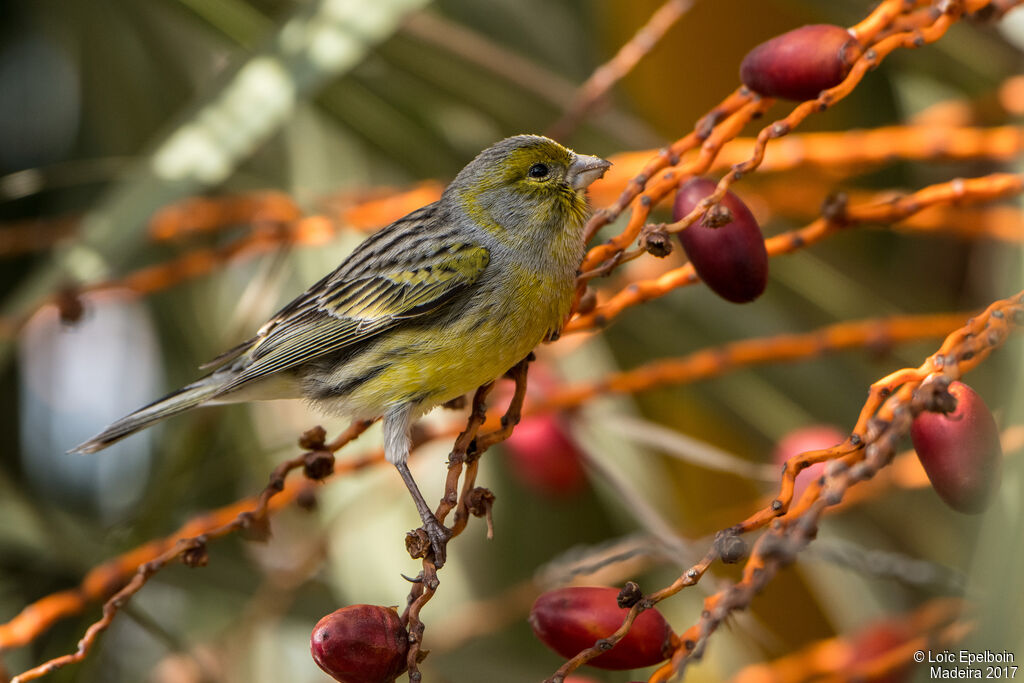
x,y
433,364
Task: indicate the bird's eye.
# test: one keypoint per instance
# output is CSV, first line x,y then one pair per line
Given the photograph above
x,y
538,171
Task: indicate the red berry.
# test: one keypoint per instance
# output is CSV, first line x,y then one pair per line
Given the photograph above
x,y
545,457
572,619
801,440
960,451
361,644
799,64
730,259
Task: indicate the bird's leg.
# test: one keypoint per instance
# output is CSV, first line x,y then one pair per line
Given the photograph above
x,y
436,532
397,422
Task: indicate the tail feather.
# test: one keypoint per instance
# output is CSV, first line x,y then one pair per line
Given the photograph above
x,y
178,402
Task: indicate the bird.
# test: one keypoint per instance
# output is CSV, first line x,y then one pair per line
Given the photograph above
x,y
439,302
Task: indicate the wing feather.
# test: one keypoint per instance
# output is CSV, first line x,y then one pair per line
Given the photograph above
x,y
356,302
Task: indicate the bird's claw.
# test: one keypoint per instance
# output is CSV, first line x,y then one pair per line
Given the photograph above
x,y
438,535
431,538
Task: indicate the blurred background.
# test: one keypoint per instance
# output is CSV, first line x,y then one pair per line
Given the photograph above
x,y
113,110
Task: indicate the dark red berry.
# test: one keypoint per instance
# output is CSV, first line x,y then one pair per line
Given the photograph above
x,y
572,619
799,64
960,451
361,644
731,259
545,457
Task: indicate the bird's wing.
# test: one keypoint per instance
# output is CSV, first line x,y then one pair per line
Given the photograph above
x,y
359,300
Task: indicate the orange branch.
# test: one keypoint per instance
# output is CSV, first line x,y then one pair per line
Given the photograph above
x,y
715,361
988,188
802,198
836,150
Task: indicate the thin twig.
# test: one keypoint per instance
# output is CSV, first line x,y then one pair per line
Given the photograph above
x,y
604,77
471,500
888,209
530,76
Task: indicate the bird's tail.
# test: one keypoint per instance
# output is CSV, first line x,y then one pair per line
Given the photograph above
x,y
181,400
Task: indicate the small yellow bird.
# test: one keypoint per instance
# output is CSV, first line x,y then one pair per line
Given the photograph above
x,y
439,302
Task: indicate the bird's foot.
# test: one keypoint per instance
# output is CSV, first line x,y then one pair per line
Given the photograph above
x,y
429,539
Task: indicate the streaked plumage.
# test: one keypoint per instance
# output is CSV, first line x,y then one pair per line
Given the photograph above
x,y
437,303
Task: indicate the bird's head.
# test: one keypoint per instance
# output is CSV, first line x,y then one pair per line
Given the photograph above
x,y
527,183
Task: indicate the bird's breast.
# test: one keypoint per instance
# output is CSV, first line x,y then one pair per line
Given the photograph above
x,y
470,344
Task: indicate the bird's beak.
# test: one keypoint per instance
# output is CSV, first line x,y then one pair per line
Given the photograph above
x,y
585,170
